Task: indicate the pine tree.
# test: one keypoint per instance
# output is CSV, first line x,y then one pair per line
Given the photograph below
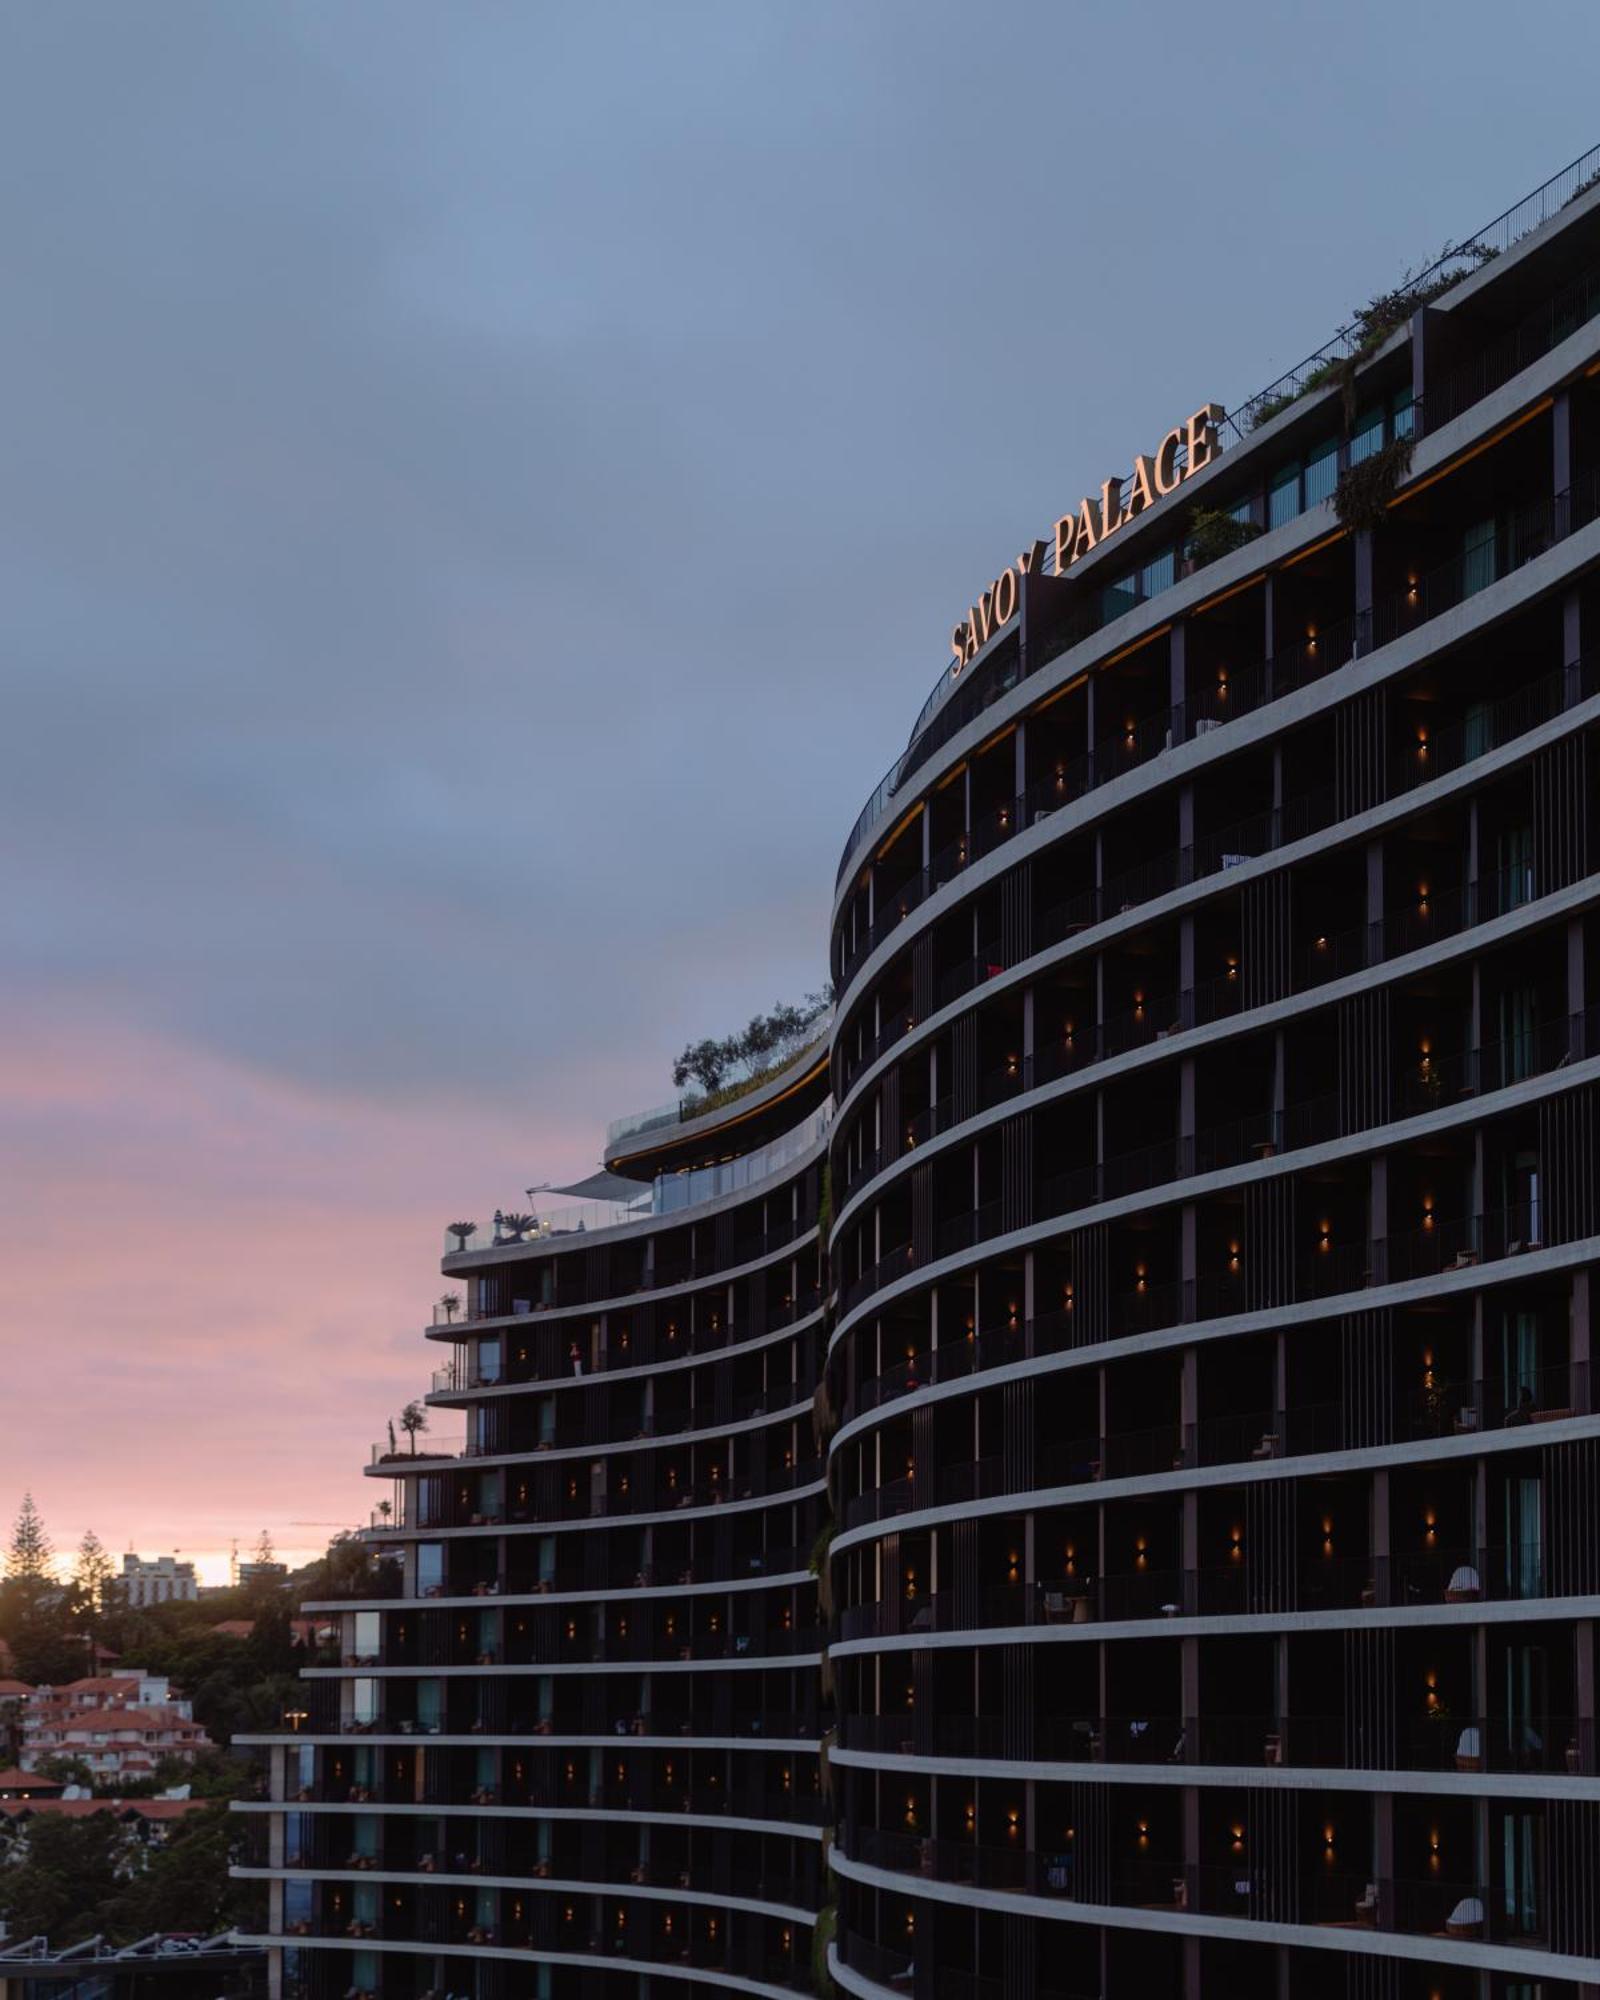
x,y
92,1579
31,1555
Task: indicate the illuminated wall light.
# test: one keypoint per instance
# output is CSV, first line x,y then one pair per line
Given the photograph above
x,y
1222,682
1430,1526
1235,1544
1327,1535
1068,1031
1233,1257
1324,1237
1238,1839
1411,588
1013,1064
1141,1553
1072,1559
971,1815
1067,1296
1129,733
1061,777
1422,898
911,1923
1013,1822
1233,968
1321,944
1012,1315
1138,1004
1143,1827
1327,1845
1141,1277
1422,744
1427,1211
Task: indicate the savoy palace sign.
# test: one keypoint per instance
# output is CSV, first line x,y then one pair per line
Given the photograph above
x,y
1181,453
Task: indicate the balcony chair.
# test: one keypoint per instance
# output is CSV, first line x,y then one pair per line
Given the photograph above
x,y
1366,1912
1466,1919
1469,1749
1465,1585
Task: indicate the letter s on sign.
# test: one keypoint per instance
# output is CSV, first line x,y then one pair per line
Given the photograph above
x,y
958,646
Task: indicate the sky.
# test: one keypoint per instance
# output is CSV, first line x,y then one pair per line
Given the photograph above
x,y
484,491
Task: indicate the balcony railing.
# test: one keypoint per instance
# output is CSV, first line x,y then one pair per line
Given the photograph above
x,y
1519,537
1302,1582
1437,1741
1313,1893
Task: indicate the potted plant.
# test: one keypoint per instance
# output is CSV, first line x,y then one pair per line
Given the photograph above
x,y
413,1421
450,1305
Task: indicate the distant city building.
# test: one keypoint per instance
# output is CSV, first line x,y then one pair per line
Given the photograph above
x,y
263,1572
163,1581
120,1725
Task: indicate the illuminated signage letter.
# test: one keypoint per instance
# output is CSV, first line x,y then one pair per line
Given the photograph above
x,y
1111,514
1143,493
1167,474
1066,535
1088,533
1203,437
1005,598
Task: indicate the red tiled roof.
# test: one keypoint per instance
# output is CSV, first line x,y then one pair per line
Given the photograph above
x,y
14,1780
10,1690
122,1718
156,1809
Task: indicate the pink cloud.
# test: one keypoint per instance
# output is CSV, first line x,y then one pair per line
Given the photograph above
x,y
220,1282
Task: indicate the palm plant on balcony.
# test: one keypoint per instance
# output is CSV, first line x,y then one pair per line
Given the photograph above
x,y
450,1305
461,1231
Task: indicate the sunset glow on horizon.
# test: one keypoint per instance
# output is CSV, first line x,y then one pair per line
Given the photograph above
x,y
230,1281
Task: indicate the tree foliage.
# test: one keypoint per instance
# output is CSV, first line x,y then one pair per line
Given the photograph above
x,y
768,1041
78,1876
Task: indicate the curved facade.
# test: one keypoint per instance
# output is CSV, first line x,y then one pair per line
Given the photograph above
x,y
1185,1246
1217,1184
573,1746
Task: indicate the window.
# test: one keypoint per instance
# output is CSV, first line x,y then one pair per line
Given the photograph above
x,y
1402,414
1478,567
1368,434
1322,471
1283,498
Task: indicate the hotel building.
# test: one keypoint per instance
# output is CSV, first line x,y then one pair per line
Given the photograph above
x,y
574,1747
1206,1144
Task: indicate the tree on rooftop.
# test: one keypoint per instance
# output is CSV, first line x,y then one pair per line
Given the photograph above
x,y
413,1421
768,1040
